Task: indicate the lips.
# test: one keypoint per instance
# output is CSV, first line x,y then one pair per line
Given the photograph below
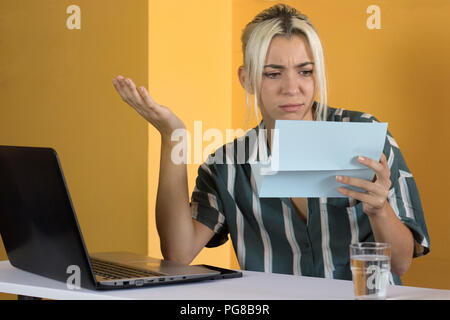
x,y
291,107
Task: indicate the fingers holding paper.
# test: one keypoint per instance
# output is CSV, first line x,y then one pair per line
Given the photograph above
x,y
374,198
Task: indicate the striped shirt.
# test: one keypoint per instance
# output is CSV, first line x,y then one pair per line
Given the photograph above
x,y
268,235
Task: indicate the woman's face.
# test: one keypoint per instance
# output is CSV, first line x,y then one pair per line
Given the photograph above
x,y
288,82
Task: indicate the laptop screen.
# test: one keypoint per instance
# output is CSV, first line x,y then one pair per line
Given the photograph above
x,y
38,224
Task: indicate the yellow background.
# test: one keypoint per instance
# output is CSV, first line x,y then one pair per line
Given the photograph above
x,y
56,91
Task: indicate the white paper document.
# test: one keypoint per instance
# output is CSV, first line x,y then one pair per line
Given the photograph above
x,y
307,155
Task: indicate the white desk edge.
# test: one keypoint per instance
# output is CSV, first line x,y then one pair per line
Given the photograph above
x,y
252,286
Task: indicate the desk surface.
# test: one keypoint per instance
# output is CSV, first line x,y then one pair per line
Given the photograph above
x,y
252,286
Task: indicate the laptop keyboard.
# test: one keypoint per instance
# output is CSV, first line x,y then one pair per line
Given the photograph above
x,y
112,271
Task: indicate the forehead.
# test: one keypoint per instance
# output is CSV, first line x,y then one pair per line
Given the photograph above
x,y
286,51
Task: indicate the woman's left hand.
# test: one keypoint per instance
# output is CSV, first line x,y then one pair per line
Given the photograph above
x,y
375,198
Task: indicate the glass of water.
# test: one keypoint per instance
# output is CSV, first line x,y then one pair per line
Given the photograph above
x,y
371,265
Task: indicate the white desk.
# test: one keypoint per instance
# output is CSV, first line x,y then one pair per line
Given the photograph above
x,y
252,286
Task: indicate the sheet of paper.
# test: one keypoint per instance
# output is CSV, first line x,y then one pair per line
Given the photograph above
x,y
307,156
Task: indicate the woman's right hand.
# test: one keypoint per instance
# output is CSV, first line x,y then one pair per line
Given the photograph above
x,y
162,118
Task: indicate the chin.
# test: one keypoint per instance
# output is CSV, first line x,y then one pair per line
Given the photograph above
x,y
292,116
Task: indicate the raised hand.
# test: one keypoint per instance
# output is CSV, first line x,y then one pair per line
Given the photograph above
x,y
162,118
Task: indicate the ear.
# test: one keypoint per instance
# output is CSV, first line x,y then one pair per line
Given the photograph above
x,y
243,80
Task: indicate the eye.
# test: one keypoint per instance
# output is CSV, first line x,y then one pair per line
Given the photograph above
x,y
272,75
306,73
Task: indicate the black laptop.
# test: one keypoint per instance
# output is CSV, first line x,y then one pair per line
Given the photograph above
x,y
41,234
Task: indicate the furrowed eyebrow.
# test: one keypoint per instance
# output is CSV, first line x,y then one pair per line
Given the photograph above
x,y
279,66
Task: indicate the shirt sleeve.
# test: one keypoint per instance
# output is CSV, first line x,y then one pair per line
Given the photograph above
x,y
206,203
404,197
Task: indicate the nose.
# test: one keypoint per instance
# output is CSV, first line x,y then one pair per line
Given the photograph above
x,y
290,84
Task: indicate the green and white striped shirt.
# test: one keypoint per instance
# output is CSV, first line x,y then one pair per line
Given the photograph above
x,y
267,233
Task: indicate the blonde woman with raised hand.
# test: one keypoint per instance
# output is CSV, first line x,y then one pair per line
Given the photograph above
x,y
282,74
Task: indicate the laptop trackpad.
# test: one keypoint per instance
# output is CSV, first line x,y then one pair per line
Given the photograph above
x,y
163,267
172,268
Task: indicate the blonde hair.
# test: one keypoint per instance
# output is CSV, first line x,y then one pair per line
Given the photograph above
x,y
279,20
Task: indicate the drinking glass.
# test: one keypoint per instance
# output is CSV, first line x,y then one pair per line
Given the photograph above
x,y
371,264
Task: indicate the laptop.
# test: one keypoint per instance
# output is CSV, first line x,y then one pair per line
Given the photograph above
x,y
41,234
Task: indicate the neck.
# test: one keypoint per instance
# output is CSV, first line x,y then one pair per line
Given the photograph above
x,y
270,124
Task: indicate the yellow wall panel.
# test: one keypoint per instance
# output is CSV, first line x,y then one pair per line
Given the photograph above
x,y
190,73
56,91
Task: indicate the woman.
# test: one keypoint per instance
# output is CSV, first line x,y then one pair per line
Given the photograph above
x,y
284,70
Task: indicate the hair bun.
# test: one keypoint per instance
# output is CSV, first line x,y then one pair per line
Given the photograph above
x,y
280,11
